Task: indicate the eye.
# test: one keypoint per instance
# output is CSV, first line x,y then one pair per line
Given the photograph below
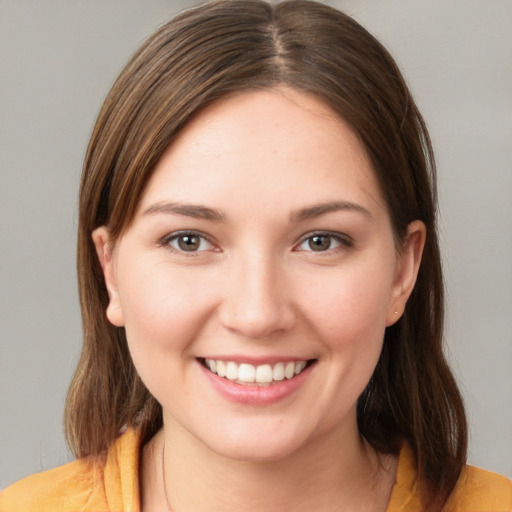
x,y
323,242
188,242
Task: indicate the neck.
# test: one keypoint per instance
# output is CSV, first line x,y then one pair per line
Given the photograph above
x,y
337,469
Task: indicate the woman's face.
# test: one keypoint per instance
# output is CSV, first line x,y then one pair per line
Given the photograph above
x,y
258,276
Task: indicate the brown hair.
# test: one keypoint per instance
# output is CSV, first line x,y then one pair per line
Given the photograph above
x,y
229,46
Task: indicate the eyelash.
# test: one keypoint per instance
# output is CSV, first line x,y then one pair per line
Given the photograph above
x,y
176,236
342,241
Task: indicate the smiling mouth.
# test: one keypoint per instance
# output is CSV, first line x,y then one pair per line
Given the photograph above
x,y
261,375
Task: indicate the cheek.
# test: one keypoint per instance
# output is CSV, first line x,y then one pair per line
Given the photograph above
x,y
346,313
163,309
348,307
164,313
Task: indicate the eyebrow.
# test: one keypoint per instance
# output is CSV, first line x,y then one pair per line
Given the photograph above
x,y
188,210
203,212
317,210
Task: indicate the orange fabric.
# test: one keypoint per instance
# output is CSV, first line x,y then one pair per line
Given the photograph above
x,y
477,490
84,487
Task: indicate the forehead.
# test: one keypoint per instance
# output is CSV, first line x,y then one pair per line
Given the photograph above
x,y
276,147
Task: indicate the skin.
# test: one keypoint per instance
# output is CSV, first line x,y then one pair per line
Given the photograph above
x,y
256,290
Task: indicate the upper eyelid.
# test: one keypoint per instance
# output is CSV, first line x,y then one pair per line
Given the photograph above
x,y
334,234
344,243
183,232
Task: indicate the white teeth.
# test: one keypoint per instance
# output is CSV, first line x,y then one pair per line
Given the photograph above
x,y
246,373
264,373
221,368
231,371
278,371
299,367
289,370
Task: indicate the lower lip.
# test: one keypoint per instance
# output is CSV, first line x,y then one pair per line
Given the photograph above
x,y
256,395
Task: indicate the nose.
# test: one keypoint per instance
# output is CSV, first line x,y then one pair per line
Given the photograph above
x,y
256,302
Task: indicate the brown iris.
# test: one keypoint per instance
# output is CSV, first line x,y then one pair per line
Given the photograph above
x,y
189,243
319,243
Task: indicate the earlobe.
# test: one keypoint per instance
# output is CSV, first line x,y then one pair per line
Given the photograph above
x,y
104,251
407,270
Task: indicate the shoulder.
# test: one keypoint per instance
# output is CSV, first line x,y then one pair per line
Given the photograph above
x,y
108,482
476,491
479,490
69,487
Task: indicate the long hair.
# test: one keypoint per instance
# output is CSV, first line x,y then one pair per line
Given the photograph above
x,y
223,48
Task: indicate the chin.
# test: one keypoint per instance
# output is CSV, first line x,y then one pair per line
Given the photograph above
x,y
258,445
257,453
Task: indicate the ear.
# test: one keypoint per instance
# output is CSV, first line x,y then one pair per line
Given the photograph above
x,y
407,270
104,250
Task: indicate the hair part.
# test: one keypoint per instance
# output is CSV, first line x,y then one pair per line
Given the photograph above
x,y
224,48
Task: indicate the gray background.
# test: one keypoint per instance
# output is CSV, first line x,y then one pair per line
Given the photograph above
x,y
58,59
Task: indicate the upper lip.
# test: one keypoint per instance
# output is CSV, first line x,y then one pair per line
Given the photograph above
x,y
256,361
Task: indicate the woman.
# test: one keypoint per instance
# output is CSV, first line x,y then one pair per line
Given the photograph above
x,y
260,282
